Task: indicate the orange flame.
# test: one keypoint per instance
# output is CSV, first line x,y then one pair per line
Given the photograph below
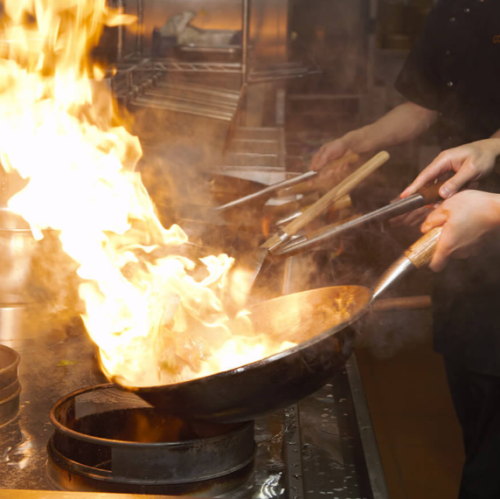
x,y
152,321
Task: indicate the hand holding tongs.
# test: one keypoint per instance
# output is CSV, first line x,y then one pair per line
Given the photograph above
x,y
427,195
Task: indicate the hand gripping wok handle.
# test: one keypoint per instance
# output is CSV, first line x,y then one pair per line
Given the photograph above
x,y
421,253
417,256
339,191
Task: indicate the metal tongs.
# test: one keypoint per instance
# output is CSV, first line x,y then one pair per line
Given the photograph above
x,y
350,159
427,195
248,266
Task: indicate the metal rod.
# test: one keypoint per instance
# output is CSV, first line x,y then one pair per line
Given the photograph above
x,y
140,31
245,41
182,108
222,106
119,49
397,270
268,190
233,95
366,431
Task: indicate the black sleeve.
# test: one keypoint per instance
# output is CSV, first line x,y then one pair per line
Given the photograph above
x,y
418,80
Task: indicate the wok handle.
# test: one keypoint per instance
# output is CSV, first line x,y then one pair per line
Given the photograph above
x,y
339,191
421,253
416,256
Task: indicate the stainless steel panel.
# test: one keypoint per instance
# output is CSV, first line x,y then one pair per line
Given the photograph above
x,y
268,21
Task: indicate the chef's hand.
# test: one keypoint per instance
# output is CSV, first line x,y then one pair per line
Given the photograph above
x,y
466,218
469,162
414,218
331,151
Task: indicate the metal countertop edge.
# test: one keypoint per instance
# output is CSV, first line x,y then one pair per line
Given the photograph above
x,y
50,494
366,431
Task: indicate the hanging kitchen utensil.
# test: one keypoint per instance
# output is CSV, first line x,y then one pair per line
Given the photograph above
x,y
427,195
248,266
317,321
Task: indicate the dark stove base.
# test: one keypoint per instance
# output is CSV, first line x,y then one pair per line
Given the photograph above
x,y
117,444
64,478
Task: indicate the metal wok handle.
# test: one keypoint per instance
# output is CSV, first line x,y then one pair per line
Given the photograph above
x,y
415,257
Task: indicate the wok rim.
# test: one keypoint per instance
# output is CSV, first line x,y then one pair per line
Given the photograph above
x,y
267,360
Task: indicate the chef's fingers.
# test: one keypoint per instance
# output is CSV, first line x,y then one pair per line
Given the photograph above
x,y
411,219
428,175
436,218
442,253
465,253
443,163
329,152
319,159
466,173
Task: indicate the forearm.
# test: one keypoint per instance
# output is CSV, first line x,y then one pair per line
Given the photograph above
x,y
402,124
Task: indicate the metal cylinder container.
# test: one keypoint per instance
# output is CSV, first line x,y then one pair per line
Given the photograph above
x,y
17,246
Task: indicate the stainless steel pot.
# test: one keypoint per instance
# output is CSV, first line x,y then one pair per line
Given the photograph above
x,y
17,246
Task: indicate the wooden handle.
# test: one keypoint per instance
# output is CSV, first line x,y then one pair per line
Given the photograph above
x,y
403,303
421,253
341,204
339,191
431,192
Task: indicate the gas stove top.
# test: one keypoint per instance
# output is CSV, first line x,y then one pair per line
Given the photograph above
x,y
310,450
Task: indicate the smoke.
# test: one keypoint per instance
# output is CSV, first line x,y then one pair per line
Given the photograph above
x,y
54,283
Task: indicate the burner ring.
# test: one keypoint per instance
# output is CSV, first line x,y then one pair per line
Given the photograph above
x,y
142,447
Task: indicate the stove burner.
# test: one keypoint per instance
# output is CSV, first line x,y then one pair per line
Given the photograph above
x,y
10,388
108,440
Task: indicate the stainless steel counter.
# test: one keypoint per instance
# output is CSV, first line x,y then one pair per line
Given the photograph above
x,y
333,440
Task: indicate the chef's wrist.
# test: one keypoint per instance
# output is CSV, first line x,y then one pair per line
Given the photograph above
x,y
494,211
495,145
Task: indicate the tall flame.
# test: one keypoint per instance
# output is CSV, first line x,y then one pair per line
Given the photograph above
x,y
151,319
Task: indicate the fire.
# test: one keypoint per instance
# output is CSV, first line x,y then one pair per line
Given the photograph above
x,y
152,320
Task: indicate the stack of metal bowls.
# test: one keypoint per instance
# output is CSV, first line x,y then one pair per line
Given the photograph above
x,y
10,388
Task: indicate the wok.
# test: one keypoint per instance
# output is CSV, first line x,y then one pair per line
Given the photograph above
x,y
318,321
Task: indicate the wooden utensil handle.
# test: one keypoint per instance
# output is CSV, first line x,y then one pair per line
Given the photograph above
x,y
421,253
402,303
340,190
431,192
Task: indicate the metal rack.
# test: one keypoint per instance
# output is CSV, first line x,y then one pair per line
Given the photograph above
x,y
255,74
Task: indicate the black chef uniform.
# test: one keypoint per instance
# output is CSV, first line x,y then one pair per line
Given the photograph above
x,y
454,69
